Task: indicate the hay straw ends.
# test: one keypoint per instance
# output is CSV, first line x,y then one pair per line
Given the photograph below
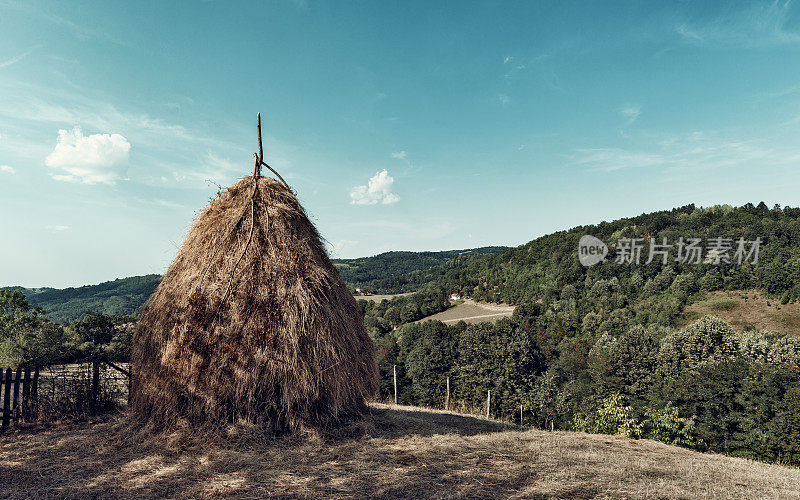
x,y
252,323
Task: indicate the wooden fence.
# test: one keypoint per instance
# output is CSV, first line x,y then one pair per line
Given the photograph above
x,y
76,389
16,406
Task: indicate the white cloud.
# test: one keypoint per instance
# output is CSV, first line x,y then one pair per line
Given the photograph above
x,y
98,158
377,190
58,229
400,155
7,169
631,113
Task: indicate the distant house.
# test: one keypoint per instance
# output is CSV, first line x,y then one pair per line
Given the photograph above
x,y
358,290
455,296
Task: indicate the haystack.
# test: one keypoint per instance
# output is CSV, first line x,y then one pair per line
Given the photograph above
x,y
252,322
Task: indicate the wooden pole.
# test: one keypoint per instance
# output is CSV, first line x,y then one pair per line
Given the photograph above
x,y
34,410
15,405
447,397
260,146
26,392
488,402
95,383
520,414
394,370
7,398
35,384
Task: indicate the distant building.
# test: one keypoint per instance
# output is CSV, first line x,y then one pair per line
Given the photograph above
x,y
455,296
358,290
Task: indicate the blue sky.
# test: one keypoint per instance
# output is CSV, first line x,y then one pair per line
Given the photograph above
x,y
401,125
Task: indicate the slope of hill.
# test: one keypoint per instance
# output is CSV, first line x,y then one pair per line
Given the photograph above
x,y
397,452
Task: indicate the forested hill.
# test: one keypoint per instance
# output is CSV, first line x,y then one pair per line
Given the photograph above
x,y
609,348
119,297
548,267
127,295
379,273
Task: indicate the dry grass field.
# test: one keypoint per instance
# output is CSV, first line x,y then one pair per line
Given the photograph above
x,y
379,297
747,308
472,312
397,452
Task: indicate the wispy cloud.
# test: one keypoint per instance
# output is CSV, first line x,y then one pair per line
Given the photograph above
x,y
504,100
16,59
7,169
513,66
378,190
630,112
688,153
761,24
400,155
58,228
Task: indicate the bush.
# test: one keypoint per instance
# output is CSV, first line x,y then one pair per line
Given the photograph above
x,y
610,417
667,426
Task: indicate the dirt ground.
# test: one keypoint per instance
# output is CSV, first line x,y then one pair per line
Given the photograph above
x,y
396,452
473,312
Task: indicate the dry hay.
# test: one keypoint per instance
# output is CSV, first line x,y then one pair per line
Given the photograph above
x,y
252,323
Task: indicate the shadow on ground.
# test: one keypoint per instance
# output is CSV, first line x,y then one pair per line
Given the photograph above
x,y
397,452
388,453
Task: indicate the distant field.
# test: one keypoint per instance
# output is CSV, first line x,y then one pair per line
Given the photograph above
x,y
396,452
378,297
741,309
473,312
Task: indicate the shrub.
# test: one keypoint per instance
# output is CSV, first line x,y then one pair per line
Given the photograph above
x,y
667,426
610,417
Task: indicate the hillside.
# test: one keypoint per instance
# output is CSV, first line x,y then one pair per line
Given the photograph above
x,y
397,452
620,339
470,311
747,310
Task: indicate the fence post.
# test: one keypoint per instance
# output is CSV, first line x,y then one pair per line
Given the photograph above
x,y
26,392
488,402
34,410
394,371
95,383
7,398
520,415
447,397
15,404
35,384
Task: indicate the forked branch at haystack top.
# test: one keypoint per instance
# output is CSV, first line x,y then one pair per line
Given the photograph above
x,y
252,322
